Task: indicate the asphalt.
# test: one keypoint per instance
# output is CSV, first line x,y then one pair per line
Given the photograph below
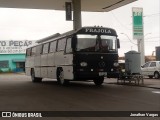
x,y
18,93
149,83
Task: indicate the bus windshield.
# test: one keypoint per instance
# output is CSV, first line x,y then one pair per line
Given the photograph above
x,y
100,43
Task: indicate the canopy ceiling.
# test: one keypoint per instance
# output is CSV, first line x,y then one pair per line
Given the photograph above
x,y
87,5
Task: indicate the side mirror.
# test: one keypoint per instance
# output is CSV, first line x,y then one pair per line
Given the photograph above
x,y
118,43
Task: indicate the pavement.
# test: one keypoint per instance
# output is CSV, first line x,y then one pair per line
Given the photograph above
x,y
18,93
150,83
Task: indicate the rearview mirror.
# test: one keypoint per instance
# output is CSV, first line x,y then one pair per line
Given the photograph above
x,y
118,43
74,42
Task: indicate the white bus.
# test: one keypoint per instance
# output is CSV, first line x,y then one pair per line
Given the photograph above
x,y
90,53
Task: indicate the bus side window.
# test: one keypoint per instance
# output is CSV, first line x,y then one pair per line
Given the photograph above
x,y
38,49
68,45
33,51
52,47
28,53
45,48
61,44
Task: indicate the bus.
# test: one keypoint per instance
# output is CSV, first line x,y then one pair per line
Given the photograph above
x,y
89,53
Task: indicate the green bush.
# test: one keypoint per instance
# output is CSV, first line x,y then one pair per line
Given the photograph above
x,y
9,70
1,71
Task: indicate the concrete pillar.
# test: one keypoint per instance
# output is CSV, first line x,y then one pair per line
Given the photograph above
x,y
138,45
77,14
141,50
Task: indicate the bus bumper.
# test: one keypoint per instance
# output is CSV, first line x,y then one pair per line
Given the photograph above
x,y
113,75
93,75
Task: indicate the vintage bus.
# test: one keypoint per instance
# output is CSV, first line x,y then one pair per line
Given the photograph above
x,y
90,53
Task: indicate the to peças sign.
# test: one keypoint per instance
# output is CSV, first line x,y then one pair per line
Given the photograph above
x,y
14,47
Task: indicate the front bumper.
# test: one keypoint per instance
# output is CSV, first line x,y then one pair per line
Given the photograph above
x,y
87,75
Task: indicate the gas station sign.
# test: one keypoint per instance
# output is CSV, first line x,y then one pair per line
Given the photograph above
x,y
137,14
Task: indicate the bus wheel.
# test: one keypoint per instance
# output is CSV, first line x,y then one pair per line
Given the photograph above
x,y
98,81
60,76
35,79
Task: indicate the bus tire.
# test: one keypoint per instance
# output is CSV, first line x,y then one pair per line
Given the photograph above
x,y
98,81
35,79
60,77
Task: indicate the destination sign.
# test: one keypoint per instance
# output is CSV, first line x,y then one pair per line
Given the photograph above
x,y
97,30
93,30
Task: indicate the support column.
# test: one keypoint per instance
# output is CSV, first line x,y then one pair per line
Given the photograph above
x,y
138,45
76,14
142,46
141,49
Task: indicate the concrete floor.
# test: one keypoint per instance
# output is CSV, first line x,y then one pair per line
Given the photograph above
x,y
18,93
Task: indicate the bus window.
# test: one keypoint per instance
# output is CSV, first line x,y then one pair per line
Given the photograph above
x,y
28,53
86,42
52,47
109,41
45,48
33,52
91,43
38,49
61,44
68,46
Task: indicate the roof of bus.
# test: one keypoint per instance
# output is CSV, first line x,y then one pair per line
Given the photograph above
x,y
48,38
58,35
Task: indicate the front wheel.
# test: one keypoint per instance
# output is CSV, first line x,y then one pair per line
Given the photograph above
x,y
35,79
98,81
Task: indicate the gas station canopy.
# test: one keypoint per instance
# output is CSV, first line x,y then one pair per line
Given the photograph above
x,y
86,5
77,6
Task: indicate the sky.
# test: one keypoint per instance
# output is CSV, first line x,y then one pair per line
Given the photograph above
x,y
33,24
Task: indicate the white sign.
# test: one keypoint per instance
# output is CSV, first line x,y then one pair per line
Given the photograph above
x,y
92,30
14,46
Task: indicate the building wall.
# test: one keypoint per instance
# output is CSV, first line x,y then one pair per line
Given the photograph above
x,y
10,58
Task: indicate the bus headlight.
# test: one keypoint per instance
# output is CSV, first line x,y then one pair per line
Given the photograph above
x,y
83,64
116,64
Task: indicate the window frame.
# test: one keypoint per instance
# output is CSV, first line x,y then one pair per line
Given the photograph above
x,y
28,52
152,63
62,39
67,39
45,52
51,46
7,64
40,51
33,53
144,66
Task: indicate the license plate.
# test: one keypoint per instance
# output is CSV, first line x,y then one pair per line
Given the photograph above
x,y
102,73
